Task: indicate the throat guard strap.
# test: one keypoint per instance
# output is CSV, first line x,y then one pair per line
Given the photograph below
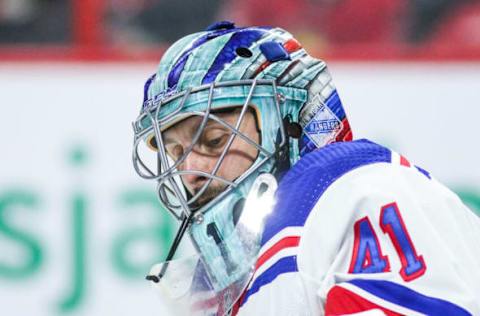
x,y
282,158
173,249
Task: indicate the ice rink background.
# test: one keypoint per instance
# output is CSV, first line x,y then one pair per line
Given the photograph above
x,y
78,228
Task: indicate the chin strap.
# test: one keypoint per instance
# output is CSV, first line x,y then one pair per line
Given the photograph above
x,y
173,249
282,154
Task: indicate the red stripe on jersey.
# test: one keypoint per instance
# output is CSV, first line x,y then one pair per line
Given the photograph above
x,y
236,306
286,242
404,161
341,301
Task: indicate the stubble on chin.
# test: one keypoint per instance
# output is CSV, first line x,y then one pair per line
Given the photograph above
x,y
212,191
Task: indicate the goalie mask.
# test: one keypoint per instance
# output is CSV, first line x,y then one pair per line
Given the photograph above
x,y
227,113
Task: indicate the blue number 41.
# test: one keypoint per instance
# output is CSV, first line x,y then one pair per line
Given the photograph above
x,y
367,255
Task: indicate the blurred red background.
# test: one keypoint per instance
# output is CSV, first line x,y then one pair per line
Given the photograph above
x,y
139,30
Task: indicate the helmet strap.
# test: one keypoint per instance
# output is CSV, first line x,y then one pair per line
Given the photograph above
x,y
173,249
282,153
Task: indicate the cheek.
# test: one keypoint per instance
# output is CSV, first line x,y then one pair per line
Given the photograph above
x,y
241,154
238,159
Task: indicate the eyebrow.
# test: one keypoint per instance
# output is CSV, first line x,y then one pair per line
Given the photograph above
x,y
210,124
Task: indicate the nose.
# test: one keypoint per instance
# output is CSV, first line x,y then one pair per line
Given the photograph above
x,y
196,161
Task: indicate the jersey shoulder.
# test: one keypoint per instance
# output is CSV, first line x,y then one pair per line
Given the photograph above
x,y
297,193
311,176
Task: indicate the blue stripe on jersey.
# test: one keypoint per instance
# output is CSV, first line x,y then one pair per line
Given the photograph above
x,y
243,38
403,296
284,265
334,103
176,71
307,180
425,172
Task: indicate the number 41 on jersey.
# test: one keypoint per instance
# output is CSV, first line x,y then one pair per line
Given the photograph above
x,y
367,254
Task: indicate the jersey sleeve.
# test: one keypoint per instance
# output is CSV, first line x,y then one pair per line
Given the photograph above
x,y
387,237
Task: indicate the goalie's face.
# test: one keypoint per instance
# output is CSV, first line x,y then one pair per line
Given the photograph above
x,y
204,145
208,149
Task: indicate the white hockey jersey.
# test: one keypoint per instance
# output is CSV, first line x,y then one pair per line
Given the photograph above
x,y
357,227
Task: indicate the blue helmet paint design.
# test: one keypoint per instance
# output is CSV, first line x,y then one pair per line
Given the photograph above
x,y
175,73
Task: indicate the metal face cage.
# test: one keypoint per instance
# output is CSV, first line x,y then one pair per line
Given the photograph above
x,y
204,101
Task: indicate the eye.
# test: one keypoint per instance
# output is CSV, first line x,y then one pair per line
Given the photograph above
x,y
217,141
213,141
